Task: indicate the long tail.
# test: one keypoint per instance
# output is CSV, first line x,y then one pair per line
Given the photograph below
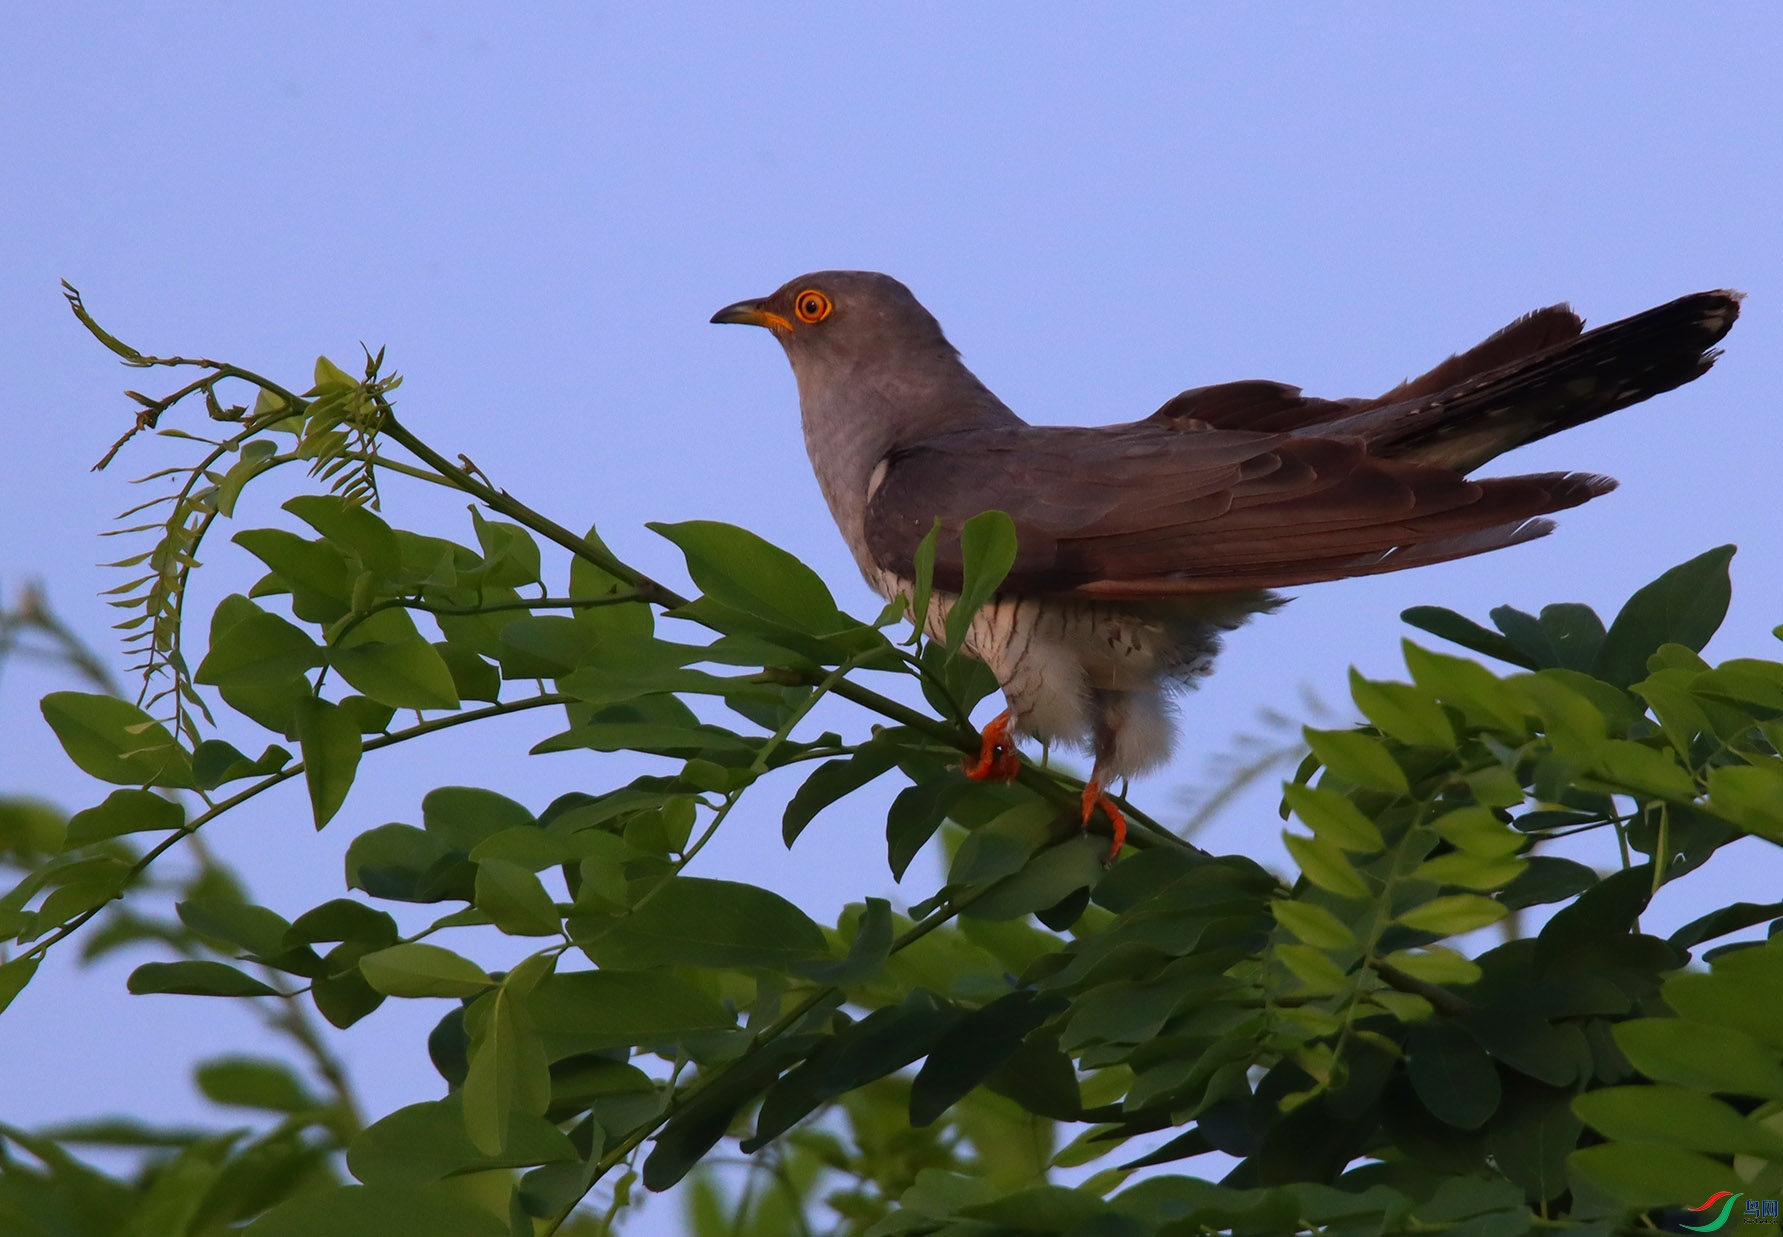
x,y
1490,411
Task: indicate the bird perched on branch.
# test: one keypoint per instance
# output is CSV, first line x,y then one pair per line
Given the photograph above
x,y
1140,544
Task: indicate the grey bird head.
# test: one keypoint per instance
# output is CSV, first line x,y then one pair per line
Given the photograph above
x,y
832,318
875,373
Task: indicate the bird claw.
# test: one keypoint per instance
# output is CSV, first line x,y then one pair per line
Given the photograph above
x,y
1093,798
997,760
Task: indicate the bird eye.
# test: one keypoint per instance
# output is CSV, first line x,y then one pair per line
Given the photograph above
x,y
812,306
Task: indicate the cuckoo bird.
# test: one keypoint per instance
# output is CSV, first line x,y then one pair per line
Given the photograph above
x,y
1140,544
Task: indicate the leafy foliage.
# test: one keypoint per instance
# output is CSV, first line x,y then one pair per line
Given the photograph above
x,y
1037,1046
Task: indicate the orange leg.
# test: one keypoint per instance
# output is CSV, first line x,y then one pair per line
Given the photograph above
x,y
998,760
1093,798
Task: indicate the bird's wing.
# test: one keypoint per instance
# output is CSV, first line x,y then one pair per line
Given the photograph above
x,y
1276,407
1143,510
1251,404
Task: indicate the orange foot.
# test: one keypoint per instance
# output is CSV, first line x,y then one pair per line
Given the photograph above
x,y
998,761
1093,798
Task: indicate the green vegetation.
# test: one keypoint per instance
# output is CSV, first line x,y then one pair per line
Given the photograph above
x,y
1043,1045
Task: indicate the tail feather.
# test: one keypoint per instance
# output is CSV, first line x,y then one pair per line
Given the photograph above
x,y
1569,383
1533,333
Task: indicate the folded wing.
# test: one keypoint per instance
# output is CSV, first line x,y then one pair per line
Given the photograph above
x,y
1253,485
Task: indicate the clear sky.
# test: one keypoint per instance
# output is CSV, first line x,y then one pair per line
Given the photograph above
x,y
537,209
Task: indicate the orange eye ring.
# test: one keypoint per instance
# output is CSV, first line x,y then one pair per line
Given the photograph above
x,y
812,306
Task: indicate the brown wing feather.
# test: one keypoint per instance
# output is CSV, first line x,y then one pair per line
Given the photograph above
x,y
1142,511
1251,485
1251,404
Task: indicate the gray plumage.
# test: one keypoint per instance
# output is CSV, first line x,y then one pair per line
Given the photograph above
x,y
1141,543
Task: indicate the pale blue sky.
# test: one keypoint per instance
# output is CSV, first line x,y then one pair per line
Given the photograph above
x,y
538,208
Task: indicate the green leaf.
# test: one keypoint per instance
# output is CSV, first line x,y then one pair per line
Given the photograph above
x,y
472,677
1574,724
1333,817
406,864
1751,796
315,573
254,1082
866,953
739,569
462,817
1044,881
419,970
1743,680
1645,1175
655,738
515,899
1684,606
1003,846
695,921
697,1126
1468,871
250,928
197,978
1566,636
1478,831
1547,878
14,975
215,762
1435,965
427,1142
879,1044
1405,712
331,746
367,538
1637,768
975,1048
377,1211
1045,1208
1453,914
590,1011
385,657
343,919
508,1071
341,995
1467,685
1468,634
1314,924
510,555
1677,1118
916,813
987,551
1721,921
115,741
830,781
251,648
1607,909
1530,1137
1357,758
124,811
1323,864
1452,1075
1701,1055
1313,968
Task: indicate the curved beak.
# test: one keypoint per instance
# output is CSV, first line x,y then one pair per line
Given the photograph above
x,y
751,313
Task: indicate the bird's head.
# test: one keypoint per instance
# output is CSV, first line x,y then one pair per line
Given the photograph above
x,y
837,322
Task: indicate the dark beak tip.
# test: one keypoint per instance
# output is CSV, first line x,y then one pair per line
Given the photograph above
x,y
743,313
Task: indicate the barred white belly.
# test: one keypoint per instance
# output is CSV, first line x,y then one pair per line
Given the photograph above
x,y
1095,674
